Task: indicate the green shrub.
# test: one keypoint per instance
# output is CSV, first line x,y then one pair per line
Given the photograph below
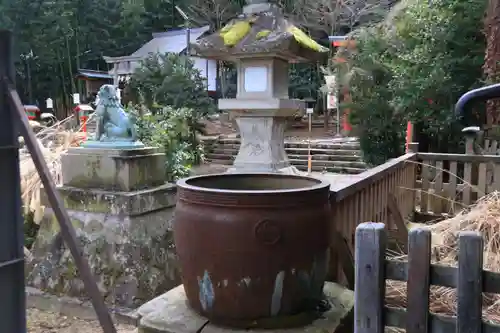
x,y
168,80
173,132
414,67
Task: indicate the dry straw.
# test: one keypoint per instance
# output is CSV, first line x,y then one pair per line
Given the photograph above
x,y
483,217
53,141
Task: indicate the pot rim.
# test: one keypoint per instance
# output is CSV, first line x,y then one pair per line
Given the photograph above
x,y
184,183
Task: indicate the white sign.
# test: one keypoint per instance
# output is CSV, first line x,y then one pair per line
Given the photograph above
x,y
119,94
76,98
331,102
309,110
331,82
255,79
49,103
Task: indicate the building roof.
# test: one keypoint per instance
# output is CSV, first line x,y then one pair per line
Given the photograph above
x,y
92,74
173,41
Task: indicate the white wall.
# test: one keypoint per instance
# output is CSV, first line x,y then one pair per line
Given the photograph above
x,y
127,68
201,65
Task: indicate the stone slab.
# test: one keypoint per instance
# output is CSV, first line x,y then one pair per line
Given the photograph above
x,y
133,258
113,144
169,313
283,107
116,203
113,169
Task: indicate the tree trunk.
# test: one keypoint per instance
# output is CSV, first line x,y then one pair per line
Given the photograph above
x,y
492,58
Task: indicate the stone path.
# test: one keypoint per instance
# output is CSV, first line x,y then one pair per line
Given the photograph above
x,y
47,322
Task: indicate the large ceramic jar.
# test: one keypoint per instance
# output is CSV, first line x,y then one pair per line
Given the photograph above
x,y
252,245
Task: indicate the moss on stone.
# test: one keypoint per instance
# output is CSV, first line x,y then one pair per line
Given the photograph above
x,y
235,33
262,34
304,40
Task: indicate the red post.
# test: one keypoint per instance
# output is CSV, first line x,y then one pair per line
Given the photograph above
x,y
346,125
83,120
409,134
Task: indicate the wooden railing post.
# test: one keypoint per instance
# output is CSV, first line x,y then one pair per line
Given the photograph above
x,y
470,282
419,275
12,306
369,292
412,147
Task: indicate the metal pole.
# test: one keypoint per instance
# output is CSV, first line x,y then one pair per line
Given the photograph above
x,y
309,157
12,306
338,121
11,199
188,38
57,204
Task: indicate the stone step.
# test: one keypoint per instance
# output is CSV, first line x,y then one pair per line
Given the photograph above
x,y
329,166
342,159
327,163
344,170
214,156
327,157
336,153
298,145
219,161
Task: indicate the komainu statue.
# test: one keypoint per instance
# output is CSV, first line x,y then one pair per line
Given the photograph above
x,y
114,126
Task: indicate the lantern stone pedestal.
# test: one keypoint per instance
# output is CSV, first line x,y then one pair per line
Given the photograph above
x,y
169,313
262,146
122,210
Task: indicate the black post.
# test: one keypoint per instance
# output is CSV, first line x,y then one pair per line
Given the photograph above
x,y
12,293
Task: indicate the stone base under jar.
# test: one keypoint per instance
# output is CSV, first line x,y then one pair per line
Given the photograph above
x,y
169,313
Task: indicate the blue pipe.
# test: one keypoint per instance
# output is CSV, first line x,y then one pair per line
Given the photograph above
x,y
477,95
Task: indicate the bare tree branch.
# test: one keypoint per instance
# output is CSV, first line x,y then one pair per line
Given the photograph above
x,y
332,15
213,12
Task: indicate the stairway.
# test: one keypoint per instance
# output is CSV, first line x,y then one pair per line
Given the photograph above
x,y
342,157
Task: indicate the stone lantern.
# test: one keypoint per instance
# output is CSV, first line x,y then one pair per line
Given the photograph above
x,y
262,42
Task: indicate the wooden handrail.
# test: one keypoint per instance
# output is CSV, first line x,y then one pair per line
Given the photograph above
x,y
383,194
370,176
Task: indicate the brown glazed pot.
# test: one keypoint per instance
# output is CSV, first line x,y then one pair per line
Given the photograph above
x,y
252,246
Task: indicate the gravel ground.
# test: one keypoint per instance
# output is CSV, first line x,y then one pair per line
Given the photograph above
x,y
48,322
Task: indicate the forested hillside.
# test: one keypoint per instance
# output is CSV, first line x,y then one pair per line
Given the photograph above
x,y
56,37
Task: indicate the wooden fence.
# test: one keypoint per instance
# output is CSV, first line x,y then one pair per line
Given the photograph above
x,y
384,193
372,269
449,182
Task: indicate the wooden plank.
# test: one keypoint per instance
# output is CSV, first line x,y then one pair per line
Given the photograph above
x,y
496,178
438,323
346,259
397,218
437,200
469,289
445,276
481,184
419,260
452,186
370,176
369,291
466,193
424,195
494,148
459,157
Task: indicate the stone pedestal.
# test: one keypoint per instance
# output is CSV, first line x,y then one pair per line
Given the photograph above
x,y
263,138
122,211
113,169
169,313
